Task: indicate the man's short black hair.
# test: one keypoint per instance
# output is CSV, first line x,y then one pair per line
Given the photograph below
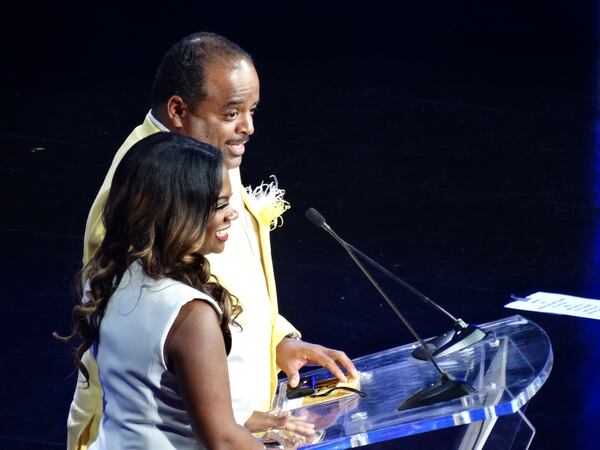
x,y
181,71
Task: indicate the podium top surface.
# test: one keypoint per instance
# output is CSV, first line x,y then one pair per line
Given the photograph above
x,y
505,369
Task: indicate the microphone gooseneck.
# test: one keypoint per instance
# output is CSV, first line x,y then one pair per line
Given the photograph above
x,y
461,336
448,387
321,223
405,285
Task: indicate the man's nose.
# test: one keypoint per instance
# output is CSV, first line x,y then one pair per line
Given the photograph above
x,y
246,124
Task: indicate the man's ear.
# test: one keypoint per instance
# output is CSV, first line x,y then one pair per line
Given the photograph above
x,y
177,110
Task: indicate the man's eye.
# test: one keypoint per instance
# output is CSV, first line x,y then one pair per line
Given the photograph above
x,y
231,115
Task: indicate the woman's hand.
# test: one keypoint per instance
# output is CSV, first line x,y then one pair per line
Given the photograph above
x,y
274,420
289,432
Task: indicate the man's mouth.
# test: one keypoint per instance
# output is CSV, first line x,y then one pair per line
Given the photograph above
x,y
237,148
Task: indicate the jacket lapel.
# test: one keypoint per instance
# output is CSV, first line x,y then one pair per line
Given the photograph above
x,y
265,249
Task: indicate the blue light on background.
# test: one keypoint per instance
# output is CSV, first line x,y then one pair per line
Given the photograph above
x,y
589,336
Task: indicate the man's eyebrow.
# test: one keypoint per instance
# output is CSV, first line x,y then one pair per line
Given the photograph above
x,y
237,102
233,103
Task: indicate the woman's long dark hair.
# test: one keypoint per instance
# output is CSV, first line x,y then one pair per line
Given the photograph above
x,y
162,197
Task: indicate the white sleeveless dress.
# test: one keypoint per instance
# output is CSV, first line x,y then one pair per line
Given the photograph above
x,y
142,405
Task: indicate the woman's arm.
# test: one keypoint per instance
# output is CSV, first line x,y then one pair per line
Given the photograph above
x,y
195,351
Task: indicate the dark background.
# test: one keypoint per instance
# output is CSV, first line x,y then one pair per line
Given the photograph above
x,y
454,142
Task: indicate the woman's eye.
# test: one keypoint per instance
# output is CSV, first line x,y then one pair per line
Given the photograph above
x,y
223,205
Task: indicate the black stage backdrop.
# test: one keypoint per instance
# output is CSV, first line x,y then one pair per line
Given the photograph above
x,y
455,142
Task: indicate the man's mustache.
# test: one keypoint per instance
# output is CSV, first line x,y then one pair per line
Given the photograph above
x,y
239,141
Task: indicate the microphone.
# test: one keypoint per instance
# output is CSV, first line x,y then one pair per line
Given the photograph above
x,y
316,218
462,335
449,387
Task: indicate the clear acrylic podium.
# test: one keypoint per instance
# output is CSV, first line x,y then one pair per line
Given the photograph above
x,y
506,369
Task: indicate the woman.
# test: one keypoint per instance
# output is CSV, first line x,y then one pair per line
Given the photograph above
x,y
156,321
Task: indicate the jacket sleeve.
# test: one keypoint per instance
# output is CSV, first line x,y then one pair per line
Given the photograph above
x,y
282,329
94,228
86,408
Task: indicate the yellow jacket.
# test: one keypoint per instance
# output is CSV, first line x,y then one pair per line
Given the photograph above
x,y
86,408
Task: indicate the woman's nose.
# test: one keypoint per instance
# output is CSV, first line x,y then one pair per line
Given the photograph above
x,y
232,214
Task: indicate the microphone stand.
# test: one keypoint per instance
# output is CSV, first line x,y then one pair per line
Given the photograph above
x,y
461,336
448,387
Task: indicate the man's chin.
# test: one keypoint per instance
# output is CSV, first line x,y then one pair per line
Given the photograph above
x,y
233,162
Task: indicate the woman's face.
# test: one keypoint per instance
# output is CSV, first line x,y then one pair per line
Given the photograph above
x,y
216,231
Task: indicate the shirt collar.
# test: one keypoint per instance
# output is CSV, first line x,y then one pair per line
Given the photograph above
x,y
157,123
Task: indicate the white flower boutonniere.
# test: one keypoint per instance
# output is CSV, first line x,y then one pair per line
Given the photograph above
x,y
269,202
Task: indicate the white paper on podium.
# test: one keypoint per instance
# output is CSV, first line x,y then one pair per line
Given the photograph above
x,y
568,305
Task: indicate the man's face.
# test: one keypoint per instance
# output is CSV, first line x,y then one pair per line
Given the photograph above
x,y
223,118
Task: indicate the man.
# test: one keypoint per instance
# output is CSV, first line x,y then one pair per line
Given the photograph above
x,y
207,87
